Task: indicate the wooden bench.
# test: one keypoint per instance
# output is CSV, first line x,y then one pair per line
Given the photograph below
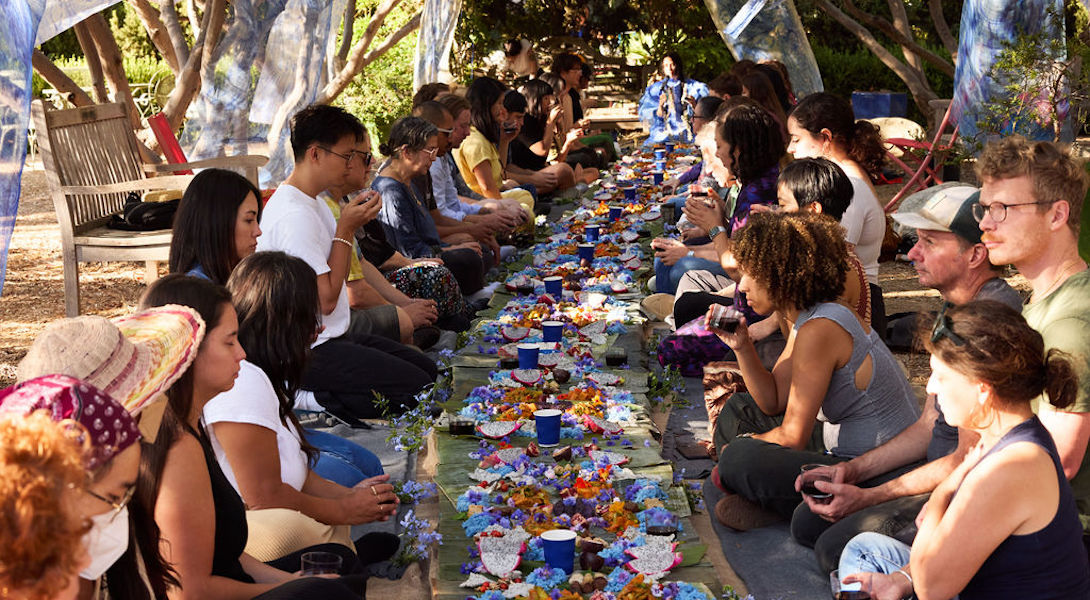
x,y
92,162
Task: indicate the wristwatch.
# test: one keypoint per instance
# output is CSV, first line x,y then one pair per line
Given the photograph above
x,y
716,231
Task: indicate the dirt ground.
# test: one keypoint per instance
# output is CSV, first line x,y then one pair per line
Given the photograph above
x,y
33,292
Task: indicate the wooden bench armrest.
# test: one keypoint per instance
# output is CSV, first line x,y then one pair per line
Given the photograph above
x,y
249,161
168,182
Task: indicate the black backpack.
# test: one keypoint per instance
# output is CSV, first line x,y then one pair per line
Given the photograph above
x,y
138,215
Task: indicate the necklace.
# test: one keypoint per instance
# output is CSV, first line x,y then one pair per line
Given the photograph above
x,y
1065,272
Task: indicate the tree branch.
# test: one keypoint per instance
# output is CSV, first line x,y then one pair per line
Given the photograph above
x,y
942,28
169,14
59,79
94,65
902,26
346,37
112,65
157,32
887,28
195,22
215,14
361,56
189,82
917,85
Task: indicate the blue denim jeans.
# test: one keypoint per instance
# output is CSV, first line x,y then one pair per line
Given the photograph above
x,y
871,552
667,277
342,461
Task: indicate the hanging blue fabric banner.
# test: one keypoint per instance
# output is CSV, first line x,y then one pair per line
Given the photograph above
x,y
18,24
436,36
987,27
768,30
270,64
60,15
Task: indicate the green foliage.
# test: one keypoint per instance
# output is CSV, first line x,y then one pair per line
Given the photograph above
x,y
1037,84
847,71
151,79
824,30
383,93
643,30
129,32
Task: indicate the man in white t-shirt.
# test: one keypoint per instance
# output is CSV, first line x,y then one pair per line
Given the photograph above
x,y
349,364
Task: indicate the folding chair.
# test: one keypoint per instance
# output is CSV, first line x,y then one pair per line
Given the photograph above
x,y
927,172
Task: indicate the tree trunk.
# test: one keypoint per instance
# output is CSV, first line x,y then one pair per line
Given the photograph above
x,y
215,14
913,79
346,37
901,24
169,14
59,80
887,28
112,65
942,28
195,21
360,56
189,82
94,65
157,32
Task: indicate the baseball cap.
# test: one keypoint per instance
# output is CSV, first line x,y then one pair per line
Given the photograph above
x,y
950,209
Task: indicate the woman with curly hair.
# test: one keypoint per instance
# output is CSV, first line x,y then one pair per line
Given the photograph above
x,y
41,475
823,125
834,371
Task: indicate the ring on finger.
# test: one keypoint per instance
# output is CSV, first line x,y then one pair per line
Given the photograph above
x,y
373,492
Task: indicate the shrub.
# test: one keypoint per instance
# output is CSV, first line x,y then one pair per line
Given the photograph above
x,y
847,71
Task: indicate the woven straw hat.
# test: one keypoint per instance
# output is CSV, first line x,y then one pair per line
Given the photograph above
x,y
133,359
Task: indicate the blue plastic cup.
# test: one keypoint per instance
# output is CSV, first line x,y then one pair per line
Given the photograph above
x,y
630,190
552,331
657,177
528,354
559,547
615,212
660,165
660,153
586,251
592,232
547,421
554,286
670,146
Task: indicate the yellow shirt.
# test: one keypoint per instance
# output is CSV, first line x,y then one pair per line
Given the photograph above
x,y
476,149
355,269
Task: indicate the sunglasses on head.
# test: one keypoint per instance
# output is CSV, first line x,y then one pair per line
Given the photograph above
x,y
942,328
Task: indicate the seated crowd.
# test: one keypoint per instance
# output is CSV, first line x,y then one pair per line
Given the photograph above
x,y
159,455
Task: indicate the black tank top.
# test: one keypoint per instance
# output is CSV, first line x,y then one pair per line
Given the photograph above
x,y
1047,564
230,517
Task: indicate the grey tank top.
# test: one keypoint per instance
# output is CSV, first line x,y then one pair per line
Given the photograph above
x,y
855,420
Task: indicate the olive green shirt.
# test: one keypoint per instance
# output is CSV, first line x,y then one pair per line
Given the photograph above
x,y
1063,320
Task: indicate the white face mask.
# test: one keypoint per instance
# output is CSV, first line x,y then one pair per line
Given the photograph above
x,y
106,542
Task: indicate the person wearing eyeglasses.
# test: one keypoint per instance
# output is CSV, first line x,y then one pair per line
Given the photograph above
x,y
1031,200
351,363
884,489
110,376
1004,523
452,230
412,145
41,478
949,257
